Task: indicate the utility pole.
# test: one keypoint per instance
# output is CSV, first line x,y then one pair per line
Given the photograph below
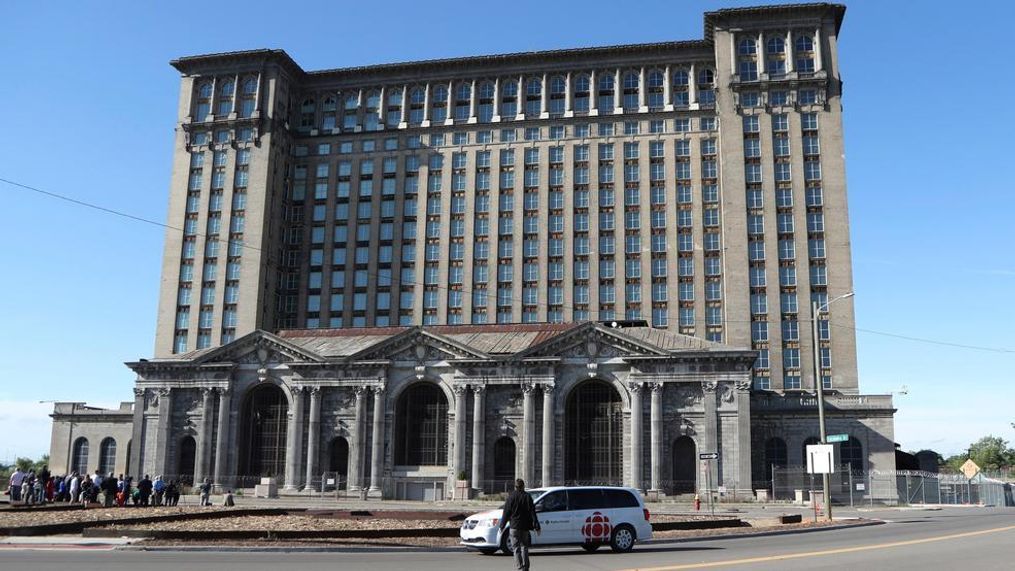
x,y
820,385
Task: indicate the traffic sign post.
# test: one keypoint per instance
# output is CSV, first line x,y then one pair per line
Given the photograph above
x,y
705,458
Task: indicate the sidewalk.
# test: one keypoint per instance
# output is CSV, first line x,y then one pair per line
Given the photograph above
x,y
63,542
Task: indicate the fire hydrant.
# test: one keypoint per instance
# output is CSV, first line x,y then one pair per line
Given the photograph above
x,y
697,503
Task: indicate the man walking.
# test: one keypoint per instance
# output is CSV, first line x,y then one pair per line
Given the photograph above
x,y
520,511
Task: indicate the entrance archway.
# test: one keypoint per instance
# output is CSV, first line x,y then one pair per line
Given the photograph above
x,y
594,429
685,462
338,460
188,455
503,464
266,421
421,426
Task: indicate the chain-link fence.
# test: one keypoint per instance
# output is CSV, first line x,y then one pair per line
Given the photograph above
x,y
852,487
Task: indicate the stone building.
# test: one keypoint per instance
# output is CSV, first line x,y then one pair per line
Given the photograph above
x,y
489,209
87,438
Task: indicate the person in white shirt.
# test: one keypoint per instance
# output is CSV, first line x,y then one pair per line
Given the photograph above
x,y
75,487
17,478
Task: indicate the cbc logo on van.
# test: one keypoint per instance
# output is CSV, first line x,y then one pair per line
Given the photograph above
x,y
597,528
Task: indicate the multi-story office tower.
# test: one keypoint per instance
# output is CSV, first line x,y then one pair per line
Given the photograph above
x,y
698,185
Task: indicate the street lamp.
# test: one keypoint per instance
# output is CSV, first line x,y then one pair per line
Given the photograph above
x,y
820,384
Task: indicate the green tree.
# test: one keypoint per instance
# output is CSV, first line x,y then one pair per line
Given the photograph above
x,y
991,453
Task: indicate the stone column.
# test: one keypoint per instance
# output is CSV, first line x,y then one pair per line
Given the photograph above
x,y
520,99
568,96
382,108
760,54
593,94
642,89
496,101
528,432
544,98
668,88
403,120
818,64
790,62
426,106
656,428
548,447
472,103
377,452
450,104
294,440
202,454
459,461
743,396
313,436
710,441
478,435
137,435
618,92
637,460
222,437
163,462
692,86
356,452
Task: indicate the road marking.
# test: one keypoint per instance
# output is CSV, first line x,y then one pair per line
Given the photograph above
x,y
826,552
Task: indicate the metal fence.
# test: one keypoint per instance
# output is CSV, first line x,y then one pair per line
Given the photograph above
x,y
852,487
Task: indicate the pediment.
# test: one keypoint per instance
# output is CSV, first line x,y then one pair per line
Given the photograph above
x,y
591,341
417,345
260,348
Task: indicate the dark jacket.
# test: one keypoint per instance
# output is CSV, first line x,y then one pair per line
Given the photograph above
x,y
520,511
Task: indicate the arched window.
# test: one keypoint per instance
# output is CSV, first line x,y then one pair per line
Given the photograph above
x,y
776,45
594,429
631,83
706,89
509,108
187,460
463,101
804,53
250,86
680,78
775,64
655,94
509,88
351,102
558,95
503,463
656,79
79,456
775,455
226,90
681,87
685,466
438,104
747,46
204,90
373,100
486,90
422,426
307,106
804,43
558,85
417,96
534,87
329,104
394,97
582,86
265,423
484,109
706,77
417,100
107,455
851,454
338,460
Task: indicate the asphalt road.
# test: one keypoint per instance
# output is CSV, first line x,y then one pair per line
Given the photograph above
x,y
953,538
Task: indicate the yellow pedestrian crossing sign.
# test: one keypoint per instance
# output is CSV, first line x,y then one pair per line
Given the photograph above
x,y
970,469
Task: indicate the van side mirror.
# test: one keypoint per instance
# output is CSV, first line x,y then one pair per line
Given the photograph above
x,y
540,507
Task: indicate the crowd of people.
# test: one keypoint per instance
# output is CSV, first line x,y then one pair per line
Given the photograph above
x,y
36,488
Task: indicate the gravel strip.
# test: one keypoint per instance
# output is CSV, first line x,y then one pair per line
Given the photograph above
x,y
50,517
290,523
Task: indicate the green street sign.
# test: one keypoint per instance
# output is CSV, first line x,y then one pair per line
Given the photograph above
x,y
837,438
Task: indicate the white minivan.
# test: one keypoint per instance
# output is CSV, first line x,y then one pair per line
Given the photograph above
x,y
590,516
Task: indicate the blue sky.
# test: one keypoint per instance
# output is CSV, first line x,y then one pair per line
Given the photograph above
x,y
90,104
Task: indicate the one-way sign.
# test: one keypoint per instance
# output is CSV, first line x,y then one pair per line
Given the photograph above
x,y
708,456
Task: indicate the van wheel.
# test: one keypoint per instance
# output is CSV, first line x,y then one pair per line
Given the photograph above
x,y
590,547
505,547
623,539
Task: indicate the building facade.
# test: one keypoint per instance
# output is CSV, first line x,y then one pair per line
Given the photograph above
x,y
392,273
698,185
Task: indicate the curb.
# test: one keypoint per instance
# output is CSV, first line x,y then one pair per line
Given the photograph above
x,y
389,549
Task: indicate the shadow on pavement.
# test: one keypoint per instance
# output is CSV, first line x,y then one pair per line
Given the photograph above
x,y
608,552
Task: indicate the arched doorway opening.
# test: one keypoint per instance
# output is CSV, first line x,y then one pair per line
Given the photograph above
x,y
503,464
107,455
265,421
79,458
851,459
188,455
776,455
685,462
421,426
594,432
338,460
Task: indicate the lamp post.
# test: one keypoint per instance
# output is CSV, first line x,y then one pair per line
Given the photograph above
x,y
820,384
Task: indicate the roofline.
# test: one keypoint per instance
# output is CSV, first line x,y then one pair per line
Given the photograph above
x,y
712,18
